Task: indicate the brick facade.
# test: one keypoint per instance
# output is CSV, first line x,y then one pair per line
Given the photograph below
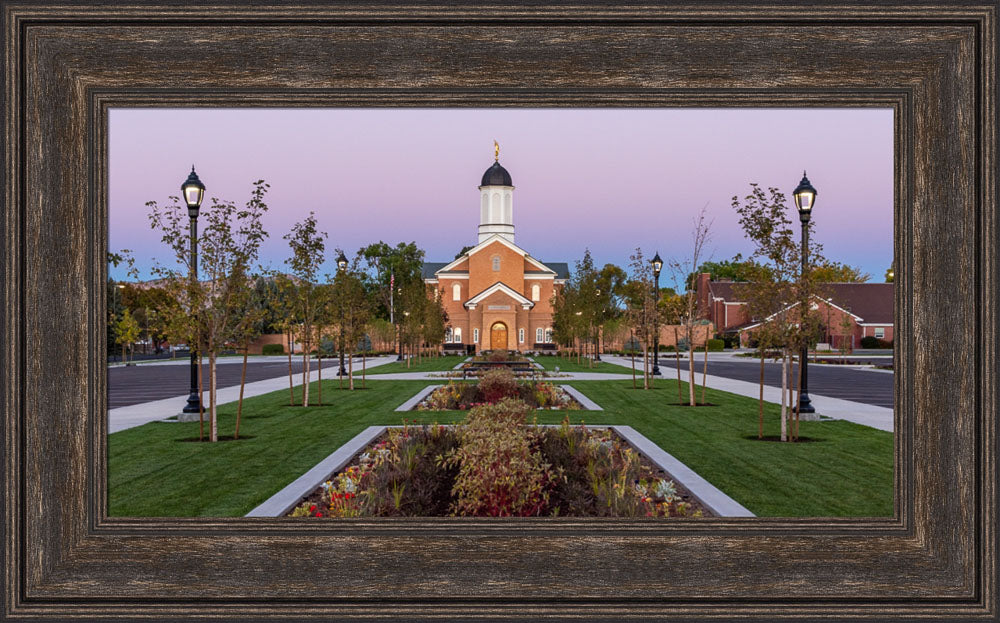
x,y
868,308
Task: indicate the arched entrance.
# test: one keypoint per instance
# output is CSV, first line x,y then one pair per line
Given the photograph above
x,y
498,336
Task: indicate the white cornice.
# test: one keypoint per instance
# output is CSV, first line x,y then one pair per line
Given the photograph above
x,y
500,287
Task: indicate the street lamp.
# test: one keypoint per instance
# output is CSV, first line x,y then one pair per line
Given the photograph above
x,y
657,267
342,267
805,198
194,193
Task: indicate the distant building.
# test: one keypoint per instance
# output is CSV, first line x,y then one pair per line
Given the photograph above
x,y
496,295
867,306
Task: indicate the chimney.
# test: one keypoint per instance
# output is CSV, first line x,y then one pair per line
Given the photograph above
x,y
701,288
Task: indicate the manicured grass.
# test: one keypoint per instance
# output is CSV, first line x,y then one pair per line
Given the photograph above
x,y
569,364
426,364
846,471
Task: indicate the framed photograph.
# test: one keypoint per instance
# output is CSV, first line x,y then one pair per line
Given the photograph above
x,y
67,67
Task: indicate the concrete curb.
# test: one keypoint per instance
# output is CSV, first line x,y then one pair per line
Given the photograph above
x,y
705,492
412,402
587,403
286,499
708,494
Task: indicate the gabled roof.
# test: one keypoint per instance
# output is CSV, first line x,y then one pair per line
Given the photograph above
x,y
500,287
871,302
429,268
559,269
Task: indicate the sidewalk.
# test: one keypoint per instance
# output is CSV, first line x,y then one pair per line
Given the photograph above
x,y
136,415
859,413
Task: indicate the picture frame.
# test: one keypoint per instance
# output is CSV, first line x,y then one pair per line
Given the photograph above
x,y
66,65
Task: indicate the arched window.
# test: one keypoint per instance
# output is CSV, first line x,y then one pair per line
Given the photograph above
x,y
456,292
447,335
495,213
496,262
507,209
484,211
456,335
536,293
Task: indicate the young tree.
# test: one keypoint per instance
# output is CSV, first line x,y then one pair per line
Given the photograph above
x,y
249,326
352,309
227,246
780,296
127,332
681,268
641,309
307,246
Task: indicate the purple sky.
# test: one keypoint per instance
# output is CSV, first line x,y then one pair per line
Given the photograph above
x,y
607,179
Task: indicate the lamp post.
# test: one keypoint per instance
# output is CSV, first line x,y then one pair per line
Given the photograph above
x,y
342,268
805,198
657,267
194,192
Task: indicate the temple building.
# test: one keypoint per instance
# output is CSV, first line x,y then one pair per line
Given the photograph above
x,y
497,296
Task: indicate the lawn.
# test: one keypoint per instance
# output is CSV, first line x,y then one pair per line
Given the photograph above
x,y
847,470
426,364
569,364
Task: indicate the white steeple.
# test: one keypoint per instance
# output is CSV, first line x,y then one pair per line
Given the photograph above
x,y
496,201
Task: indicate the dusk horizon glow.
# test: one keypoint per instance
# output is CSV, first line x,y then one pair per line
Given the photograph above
x,y
607,180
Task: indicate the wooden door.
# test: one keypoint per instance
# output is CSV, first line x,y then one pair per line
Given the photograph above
x,y
498,336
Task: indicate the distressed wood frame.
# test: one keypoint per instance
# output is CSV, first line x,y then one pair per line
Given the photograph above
x,y
63,558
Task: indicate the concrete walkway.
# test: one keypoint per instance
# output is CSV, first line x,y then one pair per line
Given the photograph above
x,y
136,415
859,413
868,415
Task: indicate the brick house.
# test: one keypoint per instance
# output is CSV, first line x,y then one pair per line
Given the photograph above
x,y
868,308
496,295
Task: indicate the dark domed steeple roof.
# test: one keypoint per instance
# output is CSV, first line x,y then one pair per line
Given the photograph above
x,y
496,175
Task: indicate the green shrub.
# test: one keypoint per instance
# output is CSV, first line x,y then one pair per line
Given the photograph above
x,y
273,349
715,346
869,341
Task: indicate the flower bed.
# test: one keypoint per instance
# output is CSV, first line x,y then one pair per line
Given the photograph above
x,y
494,465
493,387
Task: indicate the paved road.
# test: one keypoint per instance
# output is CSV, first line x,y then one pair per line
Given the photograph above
x,y
871,387
129,385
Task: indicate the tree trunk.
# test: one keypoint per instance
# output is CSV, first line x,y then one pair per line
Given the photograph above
x,y
243,382
691,382
704,370
319,376
645,365
677,364
760,402
305,375
784,394
350,371
798,398
213,418
364,367
633,366
291,384
201,401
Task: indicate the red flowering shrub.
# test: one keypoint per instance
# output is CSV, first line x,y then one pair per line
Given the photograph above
x,y
496,385
500,471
